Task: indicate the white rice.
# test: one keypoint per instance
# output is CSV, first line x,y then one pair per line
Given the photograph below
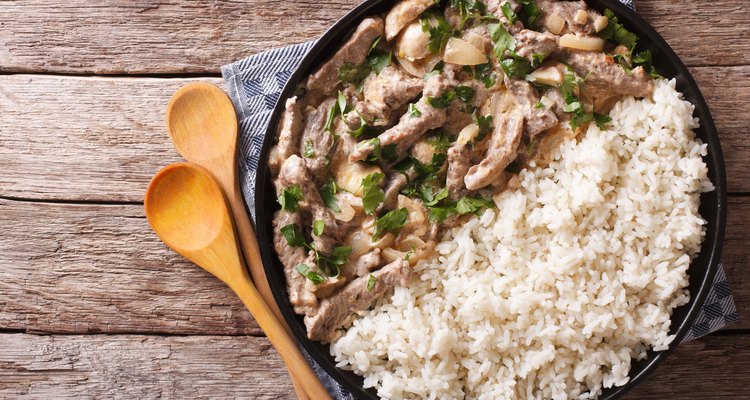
x,y
552,294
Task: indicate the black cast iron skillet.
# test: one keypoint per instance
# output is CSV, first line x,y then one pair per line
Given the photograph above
x,y
713,204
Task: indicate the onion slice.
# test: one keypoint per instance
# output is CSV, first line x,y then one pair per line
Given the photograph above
x,y
461,52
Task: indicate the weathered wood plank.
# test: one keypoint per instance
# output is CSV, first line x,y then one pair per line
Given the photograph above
x,y
131,366
702,32
166,36
115,128
126,37
140,367
92,268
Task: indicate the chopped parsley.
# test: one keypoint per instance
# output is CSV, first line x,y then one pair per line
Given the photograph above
x,y
617,33
363,127
442,101
430,197
529,13
338,108
353,73
468,9
467,205
644,59
290,197
330,264
378,59
483,73
328,194
465,93
508,13
539,104
502,39
484,122
413,111
602,120
293,235
537,59
312,276
439,140
371,281
623,62
438,29
317,227
388,153
372,194
516,67
391,221
308,149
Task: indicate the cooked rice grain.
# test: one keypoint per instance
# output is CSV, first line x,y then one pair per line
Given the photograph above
x,y
552,294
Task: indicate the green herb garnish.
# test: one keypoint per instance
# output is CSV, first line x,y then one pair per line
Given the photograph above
x,y
328,194
309,149
371,281
290,197
465,93
438,28
293,235
502,39
508,13
474,205
312,276
372,194
442,101
391,221
317,227
616,32
516,67
353,73
413,111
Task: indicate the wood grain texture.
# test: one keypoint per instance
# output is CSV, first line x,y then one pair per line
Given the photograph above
x,y
99,269
158,37
102,139
132,366
147,37
140,367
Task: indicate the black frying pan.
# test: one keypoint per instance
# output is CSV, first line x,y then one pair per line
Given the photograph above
x,y
713,204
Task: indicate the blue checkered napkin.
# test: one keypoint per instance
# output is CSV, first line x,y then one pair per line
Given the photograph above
x,y
254,86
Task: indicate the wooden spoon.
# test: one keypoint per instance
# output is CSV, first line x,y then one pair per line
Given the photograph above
x,y
203,127
186,208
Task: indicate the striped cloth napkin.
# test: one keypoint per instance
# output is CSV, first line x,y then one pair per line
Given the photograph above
x,y
254,85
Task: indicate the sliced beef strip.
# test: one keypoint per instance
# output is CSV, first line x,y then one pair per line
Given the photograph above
x,y
326,79
367,262
395,182
288,136
385,92
410,129
502,151
569,11
526,98
603,72
321,141
336,310
530,42
303,300
402,14
294,172
459,162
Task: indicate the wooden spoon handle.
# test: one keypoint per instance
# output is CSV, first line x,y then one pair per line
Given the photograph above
x,y
249,245
276,333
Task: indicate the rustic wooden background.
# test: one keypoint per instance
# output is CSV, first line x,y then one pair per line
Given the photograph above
x,y
92,305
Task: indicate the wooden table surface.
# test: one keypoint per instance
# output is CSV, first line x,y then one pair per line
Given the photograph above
x,y
92,305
